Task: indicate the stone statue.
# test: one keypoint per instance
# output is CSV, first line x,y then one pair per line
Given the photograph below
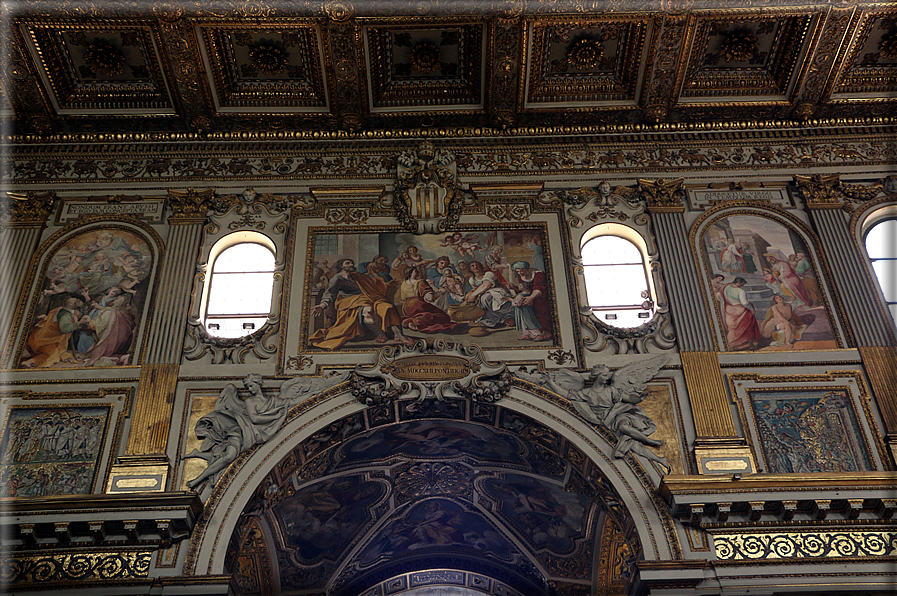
x,y
240,421
610,398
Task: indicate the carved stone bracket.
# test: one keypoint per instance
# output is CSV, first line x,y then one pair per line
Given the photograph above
x,y
663,196
26,209
433,370
190,206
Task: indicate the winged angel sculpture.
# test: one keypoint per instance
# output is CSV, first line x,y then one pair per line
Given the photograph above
x,y
611,398
242,419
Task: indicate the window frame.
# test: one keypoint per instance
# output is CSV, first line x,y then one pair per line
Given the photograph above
x,y
635,238
223,244
880,215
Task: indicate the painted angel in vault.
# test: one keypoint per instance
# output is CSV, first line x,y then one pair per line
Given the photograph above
x,y
611,398
242,419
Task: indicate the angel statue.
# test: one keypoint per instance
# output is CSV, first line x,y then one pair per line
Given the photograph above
x,y
242,419
607,397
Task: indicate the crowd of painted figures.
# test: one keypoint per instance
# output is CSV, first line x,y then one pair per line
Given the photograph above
x,y
388,298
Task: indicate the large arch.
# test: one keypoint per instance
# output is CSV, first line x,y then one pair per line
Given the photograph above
x,y
622,490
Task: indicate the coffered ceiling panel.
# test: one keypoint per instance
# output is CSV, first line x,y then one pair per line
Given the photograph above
x,y
100,66
581,62
425,67
265,66
871,66
364,67
751,56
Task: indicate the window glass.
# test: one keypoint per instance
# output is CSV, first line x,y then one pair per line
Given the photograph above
x,y
616,281
882,251
240,290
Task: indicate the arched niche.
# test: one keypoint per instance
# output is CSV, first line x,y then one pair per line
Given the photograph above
x,y
91,293
495,471
765,280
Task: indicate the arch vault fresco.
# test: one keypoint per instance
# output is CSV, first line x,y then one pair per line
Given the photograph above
x,y
476,488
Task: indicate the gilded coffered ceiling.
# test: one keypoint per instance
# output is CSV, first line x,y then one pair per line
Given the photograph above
x,y
199,67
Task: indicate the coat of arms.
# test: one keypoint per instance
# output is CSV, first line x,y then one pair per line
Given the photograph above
x,y
428,199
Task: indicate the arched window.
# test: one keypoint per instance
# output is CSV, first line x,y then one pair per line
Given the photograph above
x,y
618,286
239,288
882,251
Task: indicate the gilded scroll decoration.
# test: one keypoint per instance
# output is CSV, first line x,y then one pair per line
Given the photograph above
x,y
76,567
792,545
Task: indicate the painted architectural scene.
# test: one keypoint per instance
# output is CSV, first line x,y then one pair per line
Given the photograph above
x,y
490,286
765,287
90,302
51,451
808,431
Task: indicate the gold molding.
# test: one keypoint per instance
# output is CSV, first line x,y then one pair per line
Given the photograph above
x,y
153,406
707,394
880,363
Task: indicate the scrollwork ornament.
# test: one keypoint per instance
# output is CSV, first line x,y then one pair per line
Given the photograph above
x,y
376,391
814,545
485,388
339,10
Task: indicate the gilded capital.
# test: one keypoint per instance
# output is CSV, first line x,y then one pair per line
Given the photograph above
x,y
26,209
190,205
663,196
820,191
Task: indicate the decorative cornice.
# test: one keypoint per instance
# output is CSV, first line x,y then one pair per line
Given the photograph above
x,y
663,196
26,209
190,206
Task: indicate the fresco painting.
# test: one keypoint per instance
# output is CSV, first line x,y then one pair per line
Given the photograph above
x,y
323,518
764,287
90,303
433,438
809,431
547,516
367,290
51,451
436,524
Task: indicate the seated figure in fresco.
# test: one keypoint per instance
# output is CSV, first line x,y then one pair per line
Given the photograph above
x,y
781,318
362,306
419,311
48,342
490,295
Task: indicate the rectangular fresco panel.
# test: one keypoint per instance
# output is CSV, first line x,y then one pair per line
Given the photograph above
x,y
487,284
813,430
91,301
51,451
764,286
